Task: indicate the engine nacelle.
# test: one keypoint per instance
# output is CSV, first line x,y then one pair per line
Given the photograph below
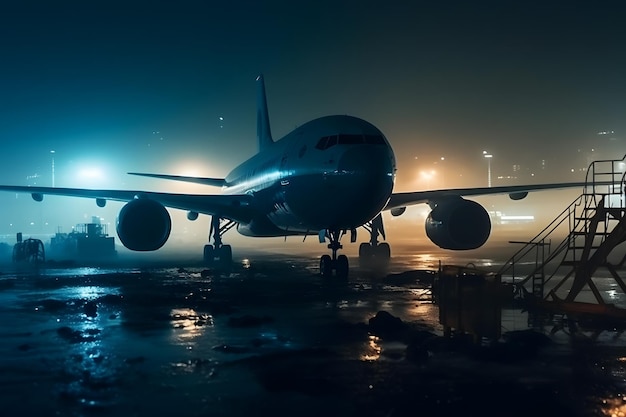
x,y
458,224
143,225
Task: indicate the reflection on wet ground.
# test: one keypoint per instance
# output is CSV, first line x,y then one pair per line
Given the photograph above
x,y
270,337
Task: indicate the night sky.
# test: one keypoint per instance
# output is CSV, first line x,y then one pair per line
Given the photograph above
x,y
169,86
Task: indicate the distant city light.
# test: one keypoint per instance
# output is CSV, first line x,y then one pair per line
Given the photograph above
x,y
428,176
488,156
516,218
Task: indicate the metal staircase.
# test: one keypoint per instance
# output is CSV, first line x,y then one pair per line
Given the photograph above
x,y
594,226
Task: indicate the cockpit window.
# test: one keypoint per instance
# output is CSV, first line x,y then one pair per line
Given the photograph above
x,y
322,143
374,139
346,139
350,139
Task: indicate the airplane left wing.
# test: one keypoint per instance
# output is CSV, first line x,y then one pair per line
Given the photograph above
x,y
399,201
215,182
459,224
233,207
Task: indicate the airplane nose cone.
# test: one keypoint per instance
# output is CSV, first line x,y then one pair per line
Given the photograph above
x,y
349,193
369,173
366,161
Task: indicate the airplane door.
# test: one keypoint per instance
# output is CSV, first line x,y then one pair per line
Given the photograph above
x,y
287,163
284,170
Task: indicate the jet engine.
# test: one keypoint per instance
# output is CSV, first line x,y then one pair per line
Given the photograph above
x,y
143,225
458,224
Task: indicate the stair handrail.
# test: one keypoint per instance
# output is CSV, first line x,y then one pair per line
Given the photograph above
x,y
587,201
566,214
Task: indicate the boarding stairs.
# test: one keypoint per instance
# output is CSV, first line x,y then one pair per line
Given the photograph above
x,y
594,225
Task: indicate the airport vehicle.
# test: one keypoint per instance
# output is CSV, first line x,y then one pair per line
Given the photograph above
x,y
328,177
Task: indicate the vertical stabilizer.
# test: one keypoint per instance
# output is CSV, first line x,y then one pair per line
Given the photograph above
x,y
263,132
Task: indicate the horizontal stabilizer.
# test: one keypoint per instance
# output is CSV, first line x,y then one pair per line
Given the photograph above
x,y
216,182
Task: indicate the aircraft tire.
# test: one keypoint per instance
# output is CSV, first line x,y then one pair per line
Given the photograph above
x,y
342,267
383,251
209,254
365,251
326,266
226,255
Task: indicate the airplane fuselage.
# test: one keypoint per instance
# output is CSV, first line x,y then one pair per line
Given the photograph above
x,y
334,172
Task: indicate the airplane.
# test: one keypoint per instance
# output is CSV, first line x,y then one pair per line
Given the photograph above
x,y
328,177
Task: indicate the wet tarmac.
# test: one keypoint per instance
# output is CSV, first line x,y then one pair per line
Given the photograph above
x,y
270,337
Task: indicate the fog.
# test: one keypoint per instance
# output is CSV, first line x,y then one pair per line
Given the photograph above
x,y
415,172
91,91
60,214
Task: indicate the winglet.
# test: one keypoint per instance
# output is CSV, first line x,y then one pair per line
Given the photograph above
x,y
263,132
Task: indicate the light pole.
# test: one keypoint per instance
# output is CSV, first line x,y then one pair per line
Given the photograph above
x,y
52,153
488,156
442,172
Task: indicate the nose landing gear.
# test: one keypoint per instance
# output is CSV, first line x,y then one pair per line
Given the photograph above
x,y
338,264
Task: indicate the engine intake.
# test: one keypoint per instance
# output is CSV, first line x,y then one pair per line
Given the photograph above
x,y
143,225
458,224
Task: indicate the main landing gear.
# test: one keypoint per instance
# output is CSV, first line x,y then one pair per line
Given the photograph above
x,y
373,252
218,254
338,264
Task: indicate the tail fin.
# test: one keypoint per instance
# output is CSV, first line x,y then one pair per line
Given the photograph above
x,y
263,132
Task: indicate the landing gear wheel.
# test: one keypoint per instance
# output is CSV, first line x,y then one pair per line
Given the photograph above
x,y
378,255
342,266
383,252
225,254
326,266
209,254
365,251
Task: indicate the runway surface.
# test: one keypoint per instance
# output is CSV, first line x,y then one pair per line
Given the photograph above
x,y
270,337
